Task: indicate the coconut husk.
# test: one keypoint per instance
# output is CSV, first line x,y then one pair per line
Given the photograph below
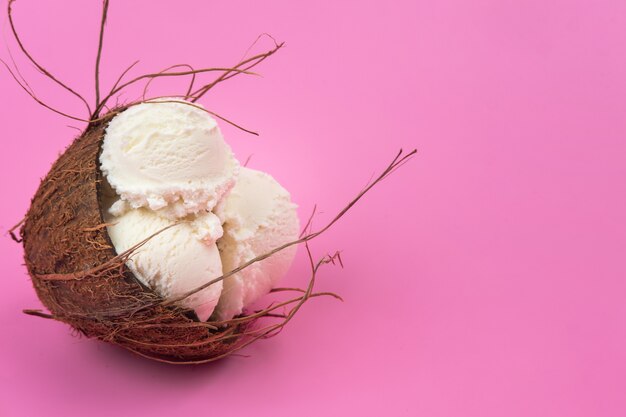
x,y
81,279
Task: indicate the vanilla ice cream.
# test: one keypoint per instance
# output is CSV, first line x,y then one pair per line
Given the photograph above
x,y
167,156
166,164
176,260
258,216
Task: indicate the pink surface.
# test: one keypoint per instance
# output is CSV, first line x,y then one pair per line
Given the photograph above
x,y
486,278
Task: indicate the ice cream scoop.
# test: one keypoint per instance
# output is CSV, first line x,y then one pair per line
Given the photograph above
x,y
167,155
176,260
258,216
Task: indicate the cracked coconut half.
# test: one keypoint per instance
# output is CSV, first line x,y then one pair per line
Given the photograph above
x,y
148,233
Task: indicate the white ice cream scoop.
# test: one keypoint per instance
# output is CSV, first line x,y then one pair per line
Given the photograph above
x,y
258,216
175,261
169,156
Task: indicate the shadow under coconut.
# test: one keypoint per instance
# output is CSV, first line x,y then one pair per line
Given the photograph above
x,y
119,359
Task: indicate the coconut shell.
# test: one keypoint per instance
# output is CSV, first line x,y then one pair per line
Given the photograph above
x,y
83,282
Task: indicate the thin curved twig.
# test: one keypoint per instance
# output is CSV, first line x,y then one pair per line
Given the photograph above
x,y
193,79
255,60
104,267
120,87
105,11
119,79
37,99
14,228
397,161
187,103
39,67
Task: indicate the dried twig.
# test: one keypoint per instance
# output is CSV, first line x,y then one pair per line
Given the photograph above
x,y
105,10
236,70
34,97
38,313
120,87
397,161
230,122
14,228
119,79
191,83
39,67
113,263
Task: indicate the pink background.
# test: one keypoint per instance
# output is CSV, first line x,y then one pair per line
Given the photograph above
x,y
486,278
